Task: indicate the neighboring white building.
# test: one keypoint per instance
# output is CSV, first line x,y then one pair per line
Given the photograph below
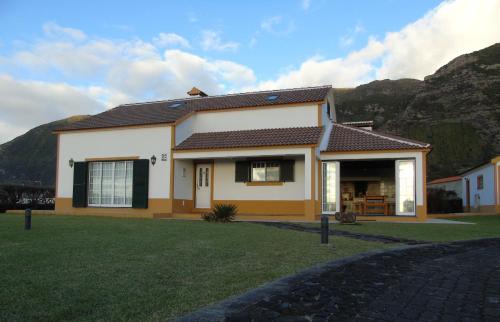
x,y
274,154
481,187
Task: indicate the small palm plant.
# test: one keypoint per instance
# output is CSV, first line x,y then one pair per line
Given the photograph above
x,y
221,213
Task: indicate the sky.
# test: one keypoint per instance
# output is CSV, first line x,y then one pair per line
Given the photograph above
x,y
64,58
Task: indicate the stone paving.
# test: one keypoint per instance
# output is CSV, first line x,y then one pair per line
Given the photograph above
x,y
457,281
343,233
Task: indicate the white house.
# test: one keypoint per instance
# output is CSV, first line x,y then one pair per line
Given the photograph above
x,y
274,154
481,187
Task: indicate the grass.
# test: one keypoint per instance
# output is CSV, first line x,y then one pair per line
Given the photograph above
x,y
90,268
484,226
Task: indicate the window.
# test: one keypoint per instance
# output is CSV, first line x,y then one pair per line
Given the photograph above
x,y
265,171
272,97
480,182
110,184
176,105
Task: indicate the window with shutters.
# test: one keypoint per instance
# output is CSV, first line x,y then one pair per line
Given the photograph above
x,y
265,171
110,184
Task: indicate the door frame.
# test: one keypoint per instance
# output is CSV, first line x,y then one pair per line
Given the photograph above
x,y
337,186
211,184
396,178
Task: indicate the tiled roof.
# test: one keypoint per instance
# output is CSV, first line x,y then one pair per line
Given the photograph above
x,y
252,138
349,138
444,180
171,110
359,123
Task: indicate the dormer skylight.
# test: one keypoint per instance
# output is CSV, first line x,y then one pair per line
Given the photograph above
x,y
176,105
272,97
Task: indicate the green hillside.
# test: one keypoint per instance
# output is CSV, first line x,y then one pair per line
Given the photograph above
x,y
31,157
457,110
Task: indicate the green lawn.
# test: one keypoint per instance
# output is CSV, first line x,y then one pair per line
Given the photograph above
x,y
484,226
90,268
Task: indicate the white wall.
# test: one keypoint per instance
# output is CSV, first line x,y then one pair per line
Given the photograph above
x,y
419,184
183,185
259,118
224,154
225,187
487,194
141,142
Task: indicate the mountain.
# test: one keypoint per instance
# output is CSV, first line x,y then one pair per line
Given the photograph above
x,y
456,109
31,157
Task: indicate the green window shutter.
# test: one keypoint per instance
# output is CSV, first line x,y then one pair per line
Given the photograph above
x,y
287,170
140,184
80,184
242,171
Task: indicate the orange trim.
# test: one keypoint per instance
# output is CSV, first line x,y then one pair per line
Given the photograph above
x,y
117,127
320,191
320,115
423,212
496,179
172,165
269,147
157,207
264,183
212,176
310,204
375,151
273,208
57,164
135,157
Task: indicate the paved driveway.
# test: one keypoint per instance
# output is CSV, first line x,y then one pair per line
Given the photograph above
x,y
440,282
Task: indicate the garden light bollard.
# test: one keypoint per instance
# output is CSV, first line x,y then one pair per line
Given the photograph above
x,y
324,229
27,219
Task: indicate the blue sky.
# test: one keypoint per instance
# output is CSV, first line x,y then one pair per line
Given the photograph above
x,y
61,58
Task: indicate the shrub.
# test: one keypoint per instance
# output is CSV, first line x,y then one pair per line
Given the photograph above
x,y
221,213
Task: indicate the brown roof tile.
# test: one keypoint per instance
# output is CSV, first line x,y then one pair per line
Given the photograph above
x,y
171,110
252,138
444,180
349,138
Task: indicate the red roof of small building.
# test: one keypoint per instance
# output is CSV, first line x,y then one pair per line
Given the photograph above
x,y
252,138
444,180
350,138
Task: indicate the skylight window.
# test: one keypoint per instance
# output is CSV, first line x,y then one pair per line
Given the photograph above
x,y
272,97
175,105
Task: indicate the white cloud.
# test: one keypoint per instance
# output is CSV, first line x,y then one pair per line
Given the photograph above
x,y
348,39
306,4
451,29
211,40
52,29
278,25
25,104
170,39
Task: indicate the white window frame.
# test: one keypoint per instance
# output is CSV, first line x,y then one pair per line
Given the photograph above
x,y
398,213
337,187
111,205
266,165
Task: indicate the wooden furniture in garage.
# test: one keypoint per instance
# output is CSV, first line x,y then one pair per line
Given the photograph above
x,y
375,205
